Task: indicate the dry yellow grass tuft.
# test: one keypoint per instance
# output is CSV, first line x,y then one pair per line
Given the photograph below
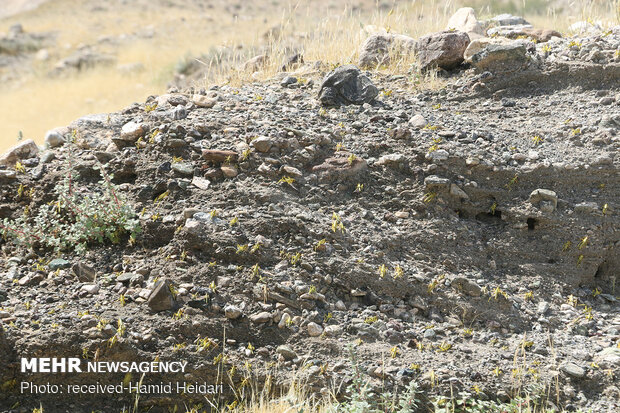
x,y
325,32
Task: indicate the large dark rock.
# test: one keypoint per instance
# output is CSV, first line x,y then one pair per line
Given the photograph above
x,y
443,49
346,85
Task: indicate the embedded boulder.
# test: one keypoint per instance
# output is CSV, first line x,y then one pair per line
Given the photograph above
x,y
443,49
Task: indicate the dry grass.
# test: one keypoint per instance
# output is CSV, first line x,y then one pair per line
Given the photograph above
x,y
325,33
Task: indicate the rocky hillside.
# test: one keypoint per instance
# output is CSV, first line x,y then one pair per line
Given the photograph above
x,y
464,238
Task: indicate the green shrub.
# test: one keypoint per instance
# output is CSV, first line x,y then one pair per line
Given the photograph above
x,y
79,216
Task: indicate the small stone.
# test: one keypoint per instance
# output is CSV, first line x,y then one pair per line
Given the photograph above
x,y
125,277
58,263
285,321
262,143
573,370
540,194
333,330
183,168
232,312
261,318
464,20
418,121
218,156
84,272
201,183
55,137
314,330
542,308
204,101
430,333
229,171
286,351
90,288
435,182
161,298
466,286
131,132
25,150
457,192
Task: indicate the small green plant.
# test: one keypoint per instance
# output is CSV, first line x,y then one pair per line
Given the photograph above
x,y
150,107
78,217
351,159
513,181
429,197
286,180
337,224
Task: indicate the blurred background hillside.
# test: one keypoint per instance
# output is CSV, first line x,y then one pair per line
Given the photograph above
x,y
62,59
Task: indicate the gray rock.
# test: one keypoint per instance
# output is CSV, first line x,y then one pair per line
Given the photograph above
x,y
24,150
58,263
90,288
7,175
183,168
464,20
443,49
379,47
418,121
262,143
539,195
573,370
501,58
284,320
261,318
507,20
161,298
314,330
466,286
435,182
204,101
430,333
56,137
131,131
508,31
609,358
125,277
286,351
543,307
232,312
84,272
346,85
